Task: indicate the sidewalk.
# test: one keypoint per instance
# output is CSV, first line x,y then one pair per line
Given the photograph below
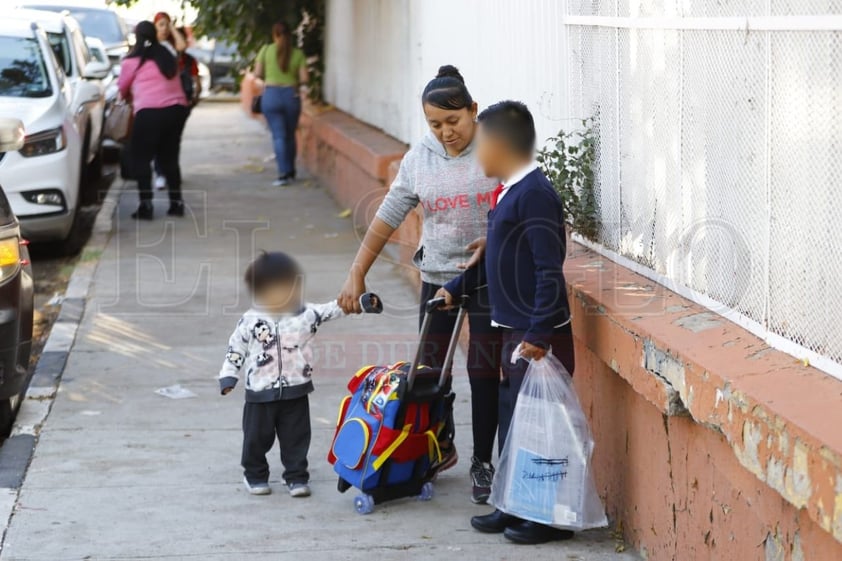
x,y
122,473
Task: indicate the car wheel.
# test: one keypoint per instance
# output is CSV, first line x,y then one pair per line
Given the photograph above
x,y
90,174
75,240
7,417
95,189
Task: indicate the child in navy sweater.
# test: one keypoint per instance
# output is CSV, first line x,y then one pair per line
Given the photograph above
x,y
524,256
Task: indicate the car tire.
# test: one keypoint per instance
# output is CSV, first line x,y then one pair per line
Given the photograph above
x,y
75,240
90,174
7,417
95,191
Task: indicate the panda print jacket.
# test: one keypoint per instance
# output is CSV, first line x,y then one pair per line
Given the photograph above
x,y
274,352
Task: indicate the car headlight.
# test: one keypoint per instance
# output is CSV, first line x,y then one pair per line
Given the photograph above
x,y
43,143
9,258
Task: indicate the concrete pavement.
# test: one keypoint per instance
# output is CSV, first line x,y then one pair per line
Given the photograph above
x,y
120,472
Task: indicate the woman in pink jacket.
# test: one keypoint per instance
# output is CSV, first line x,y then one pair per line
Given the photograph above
x,y
149,78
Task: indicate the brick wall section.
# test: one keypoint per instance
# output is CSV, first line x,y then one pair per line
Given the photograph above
x,y
710,445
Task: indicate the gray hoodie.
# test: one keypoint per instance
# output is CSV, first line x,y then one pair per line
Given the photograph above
x,y
455,196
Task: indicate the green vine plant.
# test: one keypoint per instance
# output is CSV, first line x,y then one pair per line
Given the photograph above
x,y
569,162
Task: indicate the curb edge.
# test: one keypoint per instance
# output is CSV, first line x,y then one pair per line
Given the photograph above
x,y
18,450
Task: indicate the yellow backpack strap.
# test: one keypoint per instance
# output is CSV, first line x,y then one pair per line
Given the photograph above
x,y
435,449
375,392
378,463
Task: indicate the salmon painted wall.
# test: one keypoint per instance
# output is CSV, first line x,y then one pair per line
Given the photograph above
x,y
676,487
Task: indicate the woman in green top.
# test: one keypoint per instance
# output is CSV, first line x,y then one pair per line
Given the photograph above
x,y
284,69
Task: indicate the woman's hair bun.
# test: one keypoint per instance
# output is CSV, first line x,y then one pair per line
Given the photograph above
x,y
450,71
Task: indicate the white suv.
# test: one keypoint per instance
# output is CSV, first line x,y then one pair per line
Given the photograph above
x,y
85,75
62,118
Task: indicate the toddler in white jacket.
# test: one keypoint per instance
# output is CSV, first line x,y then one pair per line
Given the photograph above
x,y
270,349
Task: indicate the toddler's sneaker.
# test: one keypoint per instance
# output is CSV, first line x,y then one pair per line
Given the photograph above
x,y
299,490
257,488
482,474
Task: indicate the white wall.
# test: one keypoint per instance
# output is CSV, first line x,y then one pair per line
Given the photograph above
x,y
719,127
381,53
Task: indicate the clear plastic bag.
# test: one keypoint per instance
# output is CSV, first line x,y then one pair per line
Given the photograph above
x,y
544,470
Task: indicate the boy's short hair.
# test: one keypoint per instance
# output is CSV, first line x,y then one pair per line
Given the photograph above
x,y
271,267
511,121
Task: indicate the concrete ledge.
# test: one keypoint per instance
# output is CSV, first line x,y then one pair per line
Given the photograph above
x,y
358,164
778,418
368,148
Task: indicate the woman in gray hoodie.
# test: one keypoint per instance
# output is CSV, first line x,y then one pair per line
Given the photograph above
x,y
442,175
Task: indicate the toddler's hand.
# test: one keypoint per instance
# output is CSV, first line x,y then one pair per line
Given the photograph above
x,y
226,391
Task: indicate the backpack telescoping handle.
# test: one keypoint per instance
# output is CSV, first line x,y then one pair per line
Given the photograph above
x,y
432,307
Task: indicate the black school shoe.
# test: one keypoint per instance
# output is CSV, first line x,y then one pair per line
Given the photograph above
x,y
494,523
144,212
176,208
532,533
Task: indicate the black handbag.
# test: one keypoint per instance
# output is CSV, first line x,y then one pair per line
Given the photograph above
x,y
255,104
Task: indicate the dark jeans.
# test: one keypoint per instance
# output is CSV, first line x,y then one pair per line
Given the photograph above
x,y
282,107
483,363
289,421
156,135
513,374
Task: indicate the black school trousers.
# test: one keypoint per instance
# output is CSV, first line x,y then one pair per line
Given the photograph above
x,y
156,135
288,420
561,342
483,365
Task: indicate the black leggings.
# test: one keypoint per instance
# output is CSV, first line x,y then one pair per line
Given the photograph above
x,y
484,351
157,135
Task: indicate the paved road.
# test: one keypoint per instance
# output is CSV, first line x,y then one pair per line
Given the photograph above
x,y
122,473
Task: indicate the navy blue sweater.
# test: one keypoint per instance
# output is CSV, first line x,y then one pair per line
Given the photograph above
x,y
524,257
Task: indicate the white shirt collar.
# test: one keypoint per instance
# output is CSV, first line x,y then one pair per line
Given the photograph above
x,y
517,178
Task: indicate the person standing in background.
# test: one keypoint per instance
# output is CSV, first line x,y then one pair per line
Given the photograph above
x,y
175,38
149,77
283,68
167,33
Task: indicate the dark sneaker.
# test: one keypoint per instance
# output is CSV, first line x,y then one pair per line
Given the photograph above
x,y
482,473
449,458
299,490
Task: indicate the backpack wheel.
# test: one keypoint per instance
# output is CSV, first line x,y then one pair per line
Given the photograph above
x,y
364,504
427,491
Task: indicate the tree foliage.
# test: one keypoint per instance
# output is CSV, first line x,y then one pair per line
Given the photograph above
x,y
248,24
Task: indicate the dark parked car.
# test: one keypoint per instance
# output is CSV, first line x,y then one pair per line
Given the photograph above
x,y
16,292
96,20
222,60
